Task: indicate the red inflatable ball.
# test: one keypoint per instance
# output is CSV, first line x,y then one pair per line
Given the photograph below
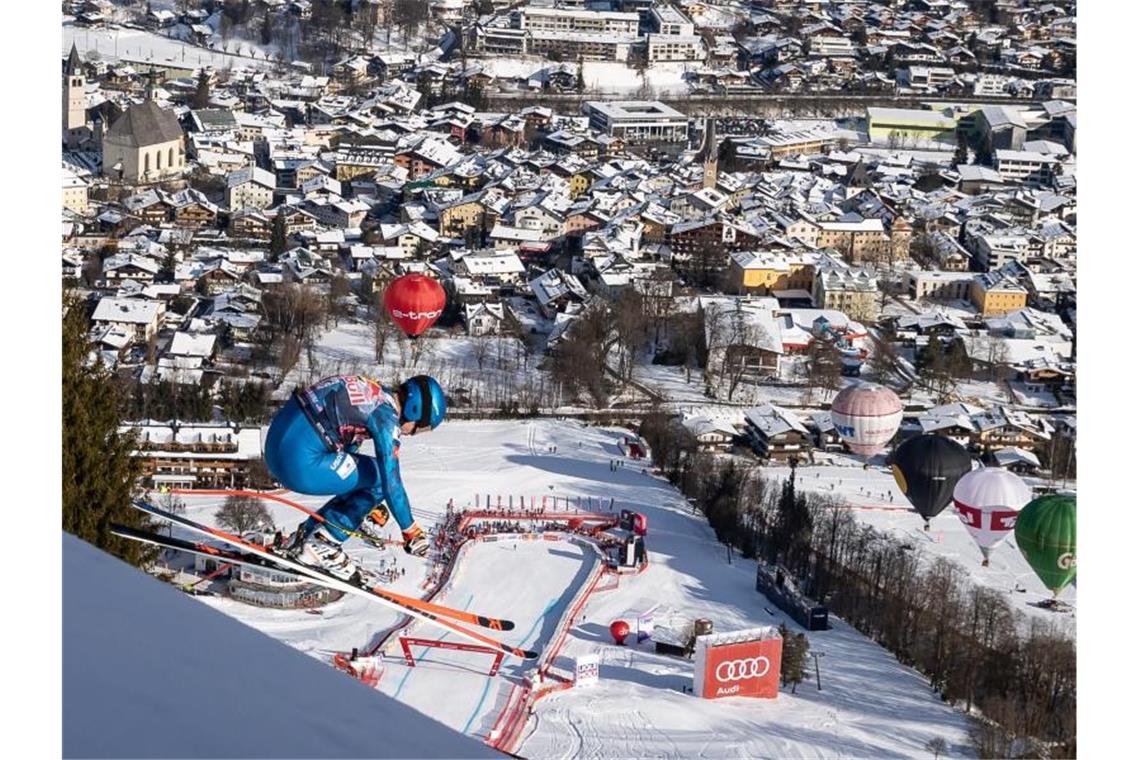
x,y
414,302
619,629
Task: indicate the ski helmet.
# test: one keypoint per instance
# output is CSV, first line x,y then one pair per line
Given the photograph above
x,y
423,402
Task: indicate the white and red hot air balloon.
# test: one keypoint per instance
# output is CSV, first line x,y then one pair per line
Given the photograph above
x,y
987,501
866,416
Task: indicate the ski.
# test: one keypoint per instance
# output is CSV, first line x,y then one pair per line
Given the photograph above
x,y
408,605
380,543
256,560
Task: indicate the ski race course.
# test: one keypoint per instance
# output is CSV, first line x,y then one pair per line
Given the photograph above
x,y
553,588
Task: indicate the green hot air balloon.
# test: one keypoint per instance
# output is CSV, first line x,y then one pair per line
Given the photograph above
x,y
926,469
1046,534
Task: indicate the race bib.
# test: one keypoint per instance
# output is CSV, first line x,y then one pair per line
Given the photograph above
x,y
344,465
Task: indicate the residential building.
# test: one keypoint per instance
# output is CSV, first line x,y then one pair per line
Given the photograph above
x,y
744,343
777,434
940,286
250,188
762,272
857,239
1020,165
996,293
853,291
74,193
141,317
196,456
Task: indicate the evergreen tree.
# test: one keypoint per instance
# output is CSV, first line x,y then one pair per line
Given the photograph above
x,y
98,471
266,27
580,82
793,658
961,153
280,241
202,93
985,154
793,525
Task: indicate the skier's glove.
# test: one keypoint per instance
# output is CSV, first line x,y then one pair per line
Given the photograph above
x,y
415,542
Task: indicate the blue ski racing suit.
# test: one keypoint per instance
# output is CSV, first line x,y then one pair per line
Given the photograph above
x,y
312,447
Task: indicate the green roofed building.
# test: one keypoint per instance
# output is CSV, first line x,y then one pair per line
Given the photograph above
x,y
909,125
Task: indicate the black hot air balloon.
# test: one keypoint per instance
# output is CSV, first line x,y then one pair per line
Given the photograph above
x,y
926,468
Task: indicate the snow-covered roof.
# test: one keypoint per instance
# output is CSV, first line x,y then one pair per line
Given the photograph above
x,y
498,262
772,420
703,425
131,310
555,284
1012,455
192,344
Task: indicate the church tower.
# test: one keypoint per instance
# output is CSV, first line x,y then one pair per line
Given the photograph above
x,y
709,153
74,101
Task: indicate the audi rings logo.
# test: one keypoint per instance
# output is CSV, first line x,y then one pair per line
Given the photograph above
x,y
416,314
1067,561
740,670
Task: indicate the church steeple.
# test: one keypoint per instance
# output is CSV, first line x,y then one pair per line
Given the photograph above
x,y
74,65
709,153
74,100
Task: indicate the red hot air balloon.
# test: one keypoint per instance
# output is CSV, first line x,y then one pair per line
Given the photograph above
x,y
619,629
414,302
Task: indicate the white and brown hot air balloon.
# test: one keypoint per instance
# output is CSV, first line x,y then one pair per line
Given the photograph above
x,y
866,416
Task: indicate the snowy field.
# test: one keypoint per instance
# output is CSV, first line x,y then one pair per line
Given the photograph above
x,y
870,705
140,45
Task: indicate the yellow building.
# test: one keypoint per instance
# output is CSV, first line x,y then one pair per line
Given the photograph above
x,y
909,125
995,293
761,272
455,220
858,241
74,193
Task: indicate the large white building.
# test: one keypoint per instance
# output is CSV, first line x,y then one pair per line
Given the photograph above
x,y
570,32
1019,165
674,47
570,20
666,19
638,120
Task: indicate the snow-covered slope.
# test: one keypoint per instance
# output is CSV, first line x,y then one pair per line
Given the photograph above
x,y
149,672
870,704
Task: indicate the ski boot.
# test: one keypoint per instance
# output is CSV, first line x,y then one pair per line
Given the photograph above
x,y
415,542
320,550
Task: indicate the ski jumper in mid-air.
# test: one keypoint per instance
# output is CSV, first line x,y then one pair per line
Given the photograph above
x,y
312,447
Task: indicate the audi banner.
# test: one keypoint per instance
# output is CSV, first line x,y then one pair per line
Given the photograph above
x,y
738,664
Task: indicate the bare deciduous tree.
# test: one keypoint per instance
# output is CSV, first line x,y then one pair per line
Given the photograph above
x,y
937,746
480,345
241,514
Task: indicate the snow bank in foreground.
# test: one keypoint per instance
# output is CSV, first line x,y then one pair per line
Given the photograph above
x,y
148,672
